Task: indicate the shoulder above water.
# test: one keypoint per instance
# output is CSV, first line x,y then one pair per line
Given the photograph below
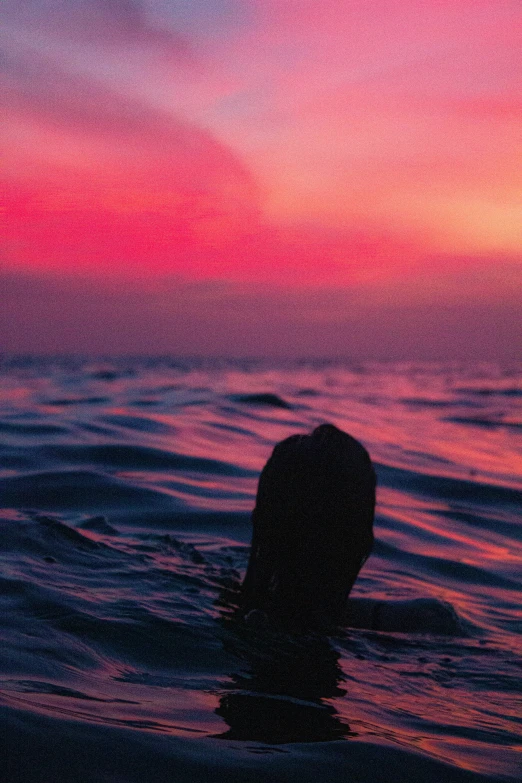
x,y
418,615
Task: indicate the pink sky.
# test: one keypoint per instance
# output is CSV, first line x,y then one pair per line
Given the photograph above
x,y
256,177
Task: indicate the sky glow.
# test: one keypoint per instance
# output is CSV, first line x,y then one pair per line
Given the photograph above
x,y
291,177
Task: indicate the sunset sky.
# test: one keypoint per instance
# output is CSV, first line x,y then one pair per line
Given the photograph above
x,y
262,177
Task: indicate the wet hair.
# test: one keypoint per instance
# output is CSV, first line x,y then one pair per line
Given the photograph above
x,y
312,528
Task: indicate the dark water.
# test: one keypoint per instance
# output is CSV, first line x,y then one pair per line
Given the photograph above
x,y
126,488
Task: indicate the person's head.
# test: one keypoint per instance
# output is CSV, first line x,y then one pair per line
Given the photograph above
x,y
312,527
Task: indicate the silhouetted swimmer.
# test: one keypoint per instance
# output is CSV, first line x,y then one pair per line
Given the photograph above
x,y
313,532
312,528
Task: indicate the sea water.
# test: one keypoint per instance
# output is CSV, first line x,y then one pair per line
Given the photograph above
x,y
126,487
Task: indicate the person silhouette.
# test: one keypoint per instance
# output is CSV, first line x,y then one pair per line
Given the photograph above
x,y
312,533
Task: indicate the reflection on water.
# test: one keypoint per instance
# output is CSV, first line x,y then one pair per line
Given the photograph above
x,y
280,695
275,720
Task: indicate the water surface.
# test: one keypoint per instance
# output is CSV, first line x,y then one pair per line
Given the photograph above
x,y
126,487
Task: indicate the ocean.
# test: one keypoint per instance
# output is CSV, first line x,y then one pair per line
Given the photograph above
x,y
126,487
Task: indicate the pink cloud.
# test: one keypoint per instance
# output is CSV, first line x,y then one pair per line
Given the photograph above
x,y
109,23
339,160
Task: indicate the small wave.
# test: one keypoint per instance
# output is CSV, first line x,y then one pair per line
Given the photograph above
x,y
76,490
452,570
189,550
100,525
426,403
61,531
111,375
47,538
31,429
233,428
128,636
138,423
445,487
64,401
36,686
488,392
268,399
141,458
493,523
426,457
228,524
477,421
19,462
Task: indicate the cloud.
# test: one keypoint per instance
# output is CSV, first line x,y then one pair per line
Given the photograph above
x,y
51,93
99,179
322,168
113,23
102,182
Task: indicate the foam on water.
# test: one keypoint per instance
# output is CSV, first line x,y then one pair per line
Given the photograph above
x,y
126,488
